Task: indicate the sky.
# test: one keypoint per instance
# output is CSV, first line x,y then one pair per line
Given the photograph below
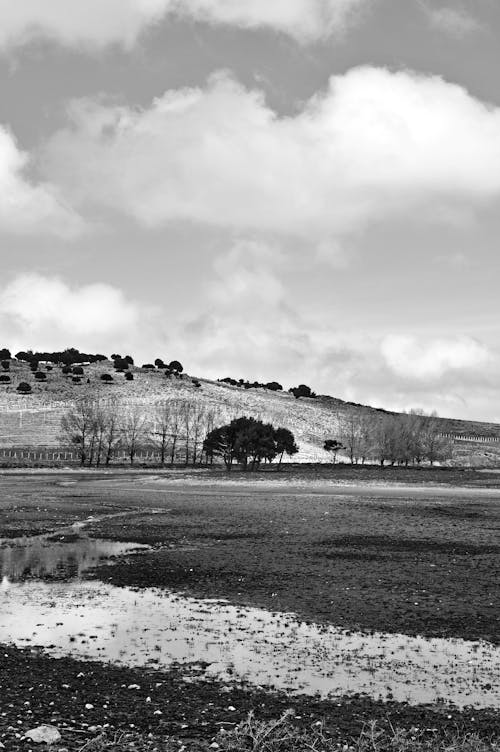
x,y
305,191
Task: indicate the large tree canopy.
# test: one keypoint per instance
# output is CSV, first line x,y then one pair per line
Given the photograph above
x,y
249,442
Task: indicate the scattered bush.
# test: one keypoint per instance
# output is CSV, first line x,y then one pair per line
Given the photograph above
x,y
175,366
5,354
196,383
40,376
148,366
302,390
4,379
24,388
121,364
77,371
159,363
129,376
66,370
76,379
6,365
106,377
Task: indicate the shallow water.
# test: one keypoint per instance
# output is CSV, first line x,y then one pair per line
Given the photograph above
x,y
45,603
63,555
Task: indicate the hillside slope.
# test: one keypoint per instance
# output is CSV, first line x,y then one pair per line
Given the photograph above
x,y
34,419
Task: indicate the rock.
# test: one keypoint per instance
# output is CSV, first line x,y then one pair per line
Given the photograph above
x,y
89,706
133,686
44,734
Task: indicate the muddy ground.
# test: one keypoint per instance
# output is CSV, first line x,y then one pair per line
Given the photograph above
x,y
418,563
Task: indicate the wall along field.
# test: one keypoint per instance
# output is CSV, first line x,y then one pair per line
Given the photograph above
x,y
347,602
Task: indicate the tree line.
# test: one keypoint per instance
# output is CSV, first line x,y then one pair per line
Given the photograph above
x,y
405,439
175,430
102,428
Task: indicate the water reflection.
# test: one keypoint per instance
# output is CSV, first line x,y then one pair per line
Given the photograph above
x,y
155,628
65,556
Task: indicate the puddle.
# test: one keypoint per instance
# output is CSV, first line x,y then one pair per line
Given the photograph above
x,y
61,555
45,603
154,628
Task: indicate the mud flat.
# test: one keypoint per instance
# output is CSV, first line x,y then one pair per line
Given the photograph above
x,y
177,610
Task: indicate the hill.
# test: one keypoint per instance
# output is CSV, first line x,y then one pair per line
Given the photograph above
x,y
34,420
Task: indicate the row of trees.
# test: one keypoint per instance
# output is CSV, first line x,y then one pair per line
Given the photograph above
x,y
397,439
174,429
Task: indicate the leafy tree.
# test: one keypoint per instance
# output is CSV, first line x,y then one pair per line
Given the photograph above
x,y
159,363
302,390
5,354
249,442
129,360
175,366
121,364
273,386
285,443
333,446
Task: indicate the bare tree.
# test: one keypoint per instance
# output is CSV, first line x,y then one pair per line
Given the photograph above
x,y
77,426
133,430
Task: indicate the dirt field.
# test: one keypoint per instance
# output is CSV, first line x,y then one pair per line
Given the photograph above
x,y
416,559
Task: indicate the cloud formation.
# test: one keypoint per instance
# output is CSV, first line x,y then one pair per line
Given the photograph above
x,y
434,358
27,207
41,312
374,145
96,24
456,22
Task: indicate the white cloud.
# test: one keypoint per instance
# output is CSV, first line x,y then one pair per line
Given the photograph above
x,y
95,24
432,359
26,207
457,22
44,312
373,145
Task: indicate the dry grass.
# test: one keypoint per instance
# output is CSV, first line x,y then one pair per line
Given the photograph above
x,y
282,735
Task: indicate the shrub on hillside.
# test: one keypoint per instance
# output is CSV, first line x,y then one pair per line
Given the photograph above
x,y
302,390
121,364
77,371
148,366
129,376
175,366
6,365
66,370
4,379
76,380
159,363
5,354
106,377
24,388
40,376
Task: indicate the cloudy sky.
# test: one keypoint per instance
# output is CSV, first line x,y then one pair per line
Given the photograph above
x,y
300,190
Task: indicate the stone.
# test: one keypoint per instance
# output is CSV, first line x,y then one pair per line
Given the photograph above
x,y
44,735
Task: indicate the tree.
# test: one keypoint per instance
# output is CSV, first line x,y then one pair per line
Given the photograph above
x,y
5,354
6,365
24,388
78,425
302,390
164,422
159,363
249,442
4,378
106,377
333,446
77,371
121,364
285,444
40,376
129,376
133,431
175,366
